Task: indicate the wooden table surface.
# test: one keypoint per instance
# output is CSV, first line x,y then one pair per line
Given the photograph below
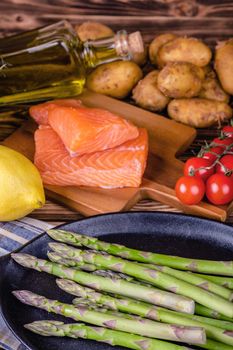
x,y
210,20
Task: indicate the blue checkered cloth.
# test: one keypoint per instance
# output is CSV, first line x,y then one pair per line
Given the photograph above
x,y
13,235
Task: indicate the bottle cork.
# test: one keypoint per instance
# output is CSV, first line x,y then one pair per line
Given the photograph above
x,y
128,44
136,44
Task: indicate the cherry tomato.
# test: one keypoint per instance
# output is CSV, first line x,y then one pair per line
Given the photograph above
x,y
212,153
226,165
190,189
223,142
228,131
194,163
219,189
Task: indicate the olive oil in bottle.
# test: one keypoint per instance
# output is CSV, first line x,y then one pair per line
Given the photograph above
x,y
52,62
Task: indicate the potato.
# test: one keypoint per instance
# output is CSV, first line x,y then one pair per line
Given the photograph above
x,y
185,49
211,89
199,112
114,79
147,95
93,31
180,79
157,43
224,65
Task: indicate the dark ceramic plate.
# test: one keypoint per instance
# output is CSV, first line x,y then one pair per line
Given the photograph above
x,y
158,232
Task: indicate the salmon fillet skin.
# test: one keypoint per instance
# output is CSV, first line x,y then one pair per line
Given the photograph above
x,y
116,167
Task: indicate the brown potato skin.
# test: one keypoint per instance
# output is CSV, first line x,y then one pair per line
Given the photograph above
x,y
184,49
199,112
115,79
224,65
93,31
212,90
147,95
180,79
157,43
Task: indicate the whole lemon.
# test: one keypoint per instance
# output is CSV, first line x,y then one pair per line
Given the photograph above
x,y
21,189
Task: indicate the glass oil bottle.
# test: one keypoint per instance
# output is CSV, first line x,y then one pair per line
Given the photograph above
x,y
52,62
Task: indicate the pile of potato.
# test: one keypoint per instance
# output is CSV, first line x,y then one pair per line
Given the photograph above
x,y
183,80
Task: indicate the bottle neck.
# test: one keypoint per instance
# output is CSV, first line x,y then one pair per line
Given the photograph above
x,y
96,52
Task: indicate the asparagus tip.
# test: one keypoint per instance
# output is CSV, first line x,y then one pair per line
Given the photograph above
x,y
50,232
25,260
57,247
31,327
55,234
21,295
44,327
28,298
62,283
18,257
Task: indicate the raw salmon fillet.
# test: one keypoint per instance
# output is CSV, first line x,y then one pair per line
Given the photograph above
x,y
122,166
40,112
82,129
87,130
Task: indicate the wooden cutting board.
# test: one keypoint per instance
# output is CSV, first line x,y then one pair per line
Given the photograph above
x,y
167,140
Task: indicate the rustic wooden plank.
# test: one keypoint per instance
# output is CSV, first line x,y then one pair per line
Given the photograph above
x,y
166,8
210,19
210,30
54,212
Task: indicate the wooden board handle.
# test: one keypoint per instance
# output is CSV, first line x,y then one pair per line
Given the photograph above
x,y
164,194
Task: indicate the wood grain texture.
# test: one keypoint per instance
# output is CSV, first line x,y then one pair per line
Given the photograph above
x,y
166,8
55,212
205,19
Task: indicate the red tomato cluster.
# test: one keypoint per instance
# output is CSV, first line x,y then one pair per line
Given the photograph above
x,y
210,174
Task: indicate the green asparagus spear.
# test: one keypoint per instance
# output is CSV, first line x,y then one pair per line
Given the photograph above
x,y
114,275
140,326
173,318
55,257
160,313
155,277
205,311
213,345
221,281
130,305
196,265
226,325
122,287
179,321
210,344
226,282
222,335
112,337
114,303
142,309
100,334
197,280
